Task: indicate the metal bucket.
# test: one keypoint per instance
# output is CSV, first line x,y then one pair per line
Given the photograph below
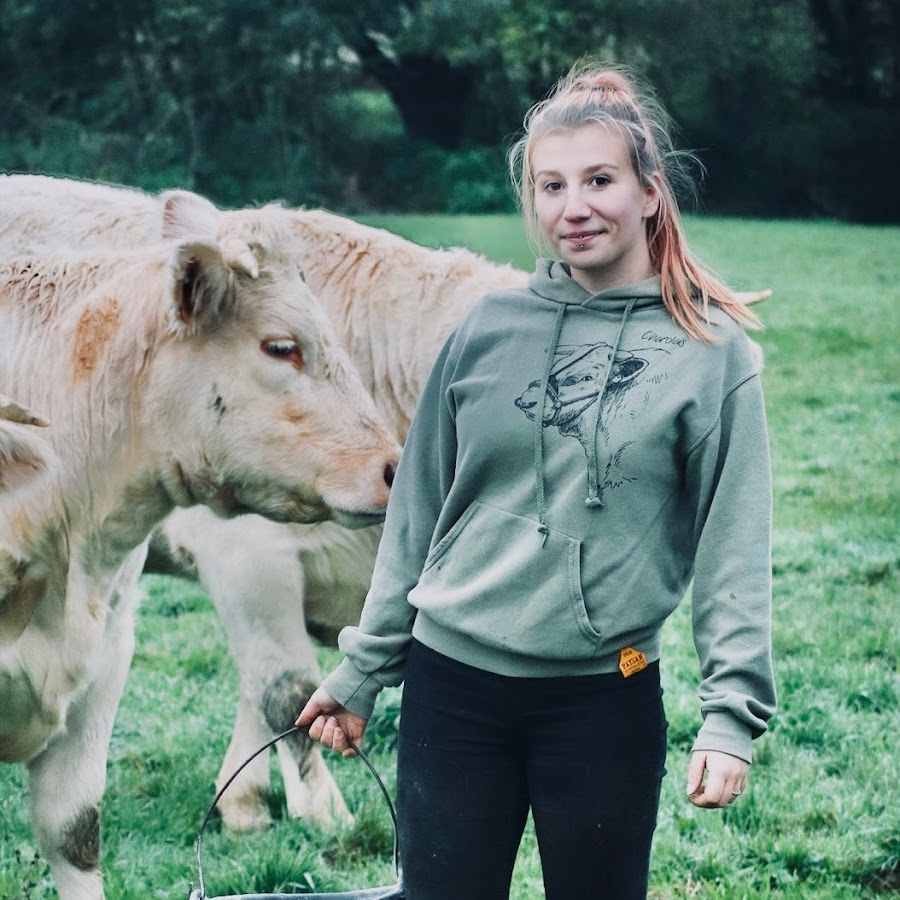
x,y
388,892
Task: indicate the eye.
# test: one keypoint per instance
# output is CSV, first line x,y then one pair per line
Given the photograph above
x,y
571,380
600,180
551,187
285,349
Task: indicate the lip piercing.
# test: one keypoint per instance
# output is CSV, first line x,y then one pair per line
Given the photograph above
x,y
581,246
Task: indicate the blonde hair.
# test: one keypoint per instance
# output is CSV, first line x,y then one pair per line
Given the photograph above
x,y
605,95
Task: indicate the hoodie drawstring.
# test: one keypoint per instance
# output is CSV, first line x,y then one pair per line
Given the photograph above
x,y
595,490
539,424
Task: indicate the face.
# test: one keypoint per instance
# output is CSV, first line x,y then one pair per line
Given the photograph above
x,y
591,206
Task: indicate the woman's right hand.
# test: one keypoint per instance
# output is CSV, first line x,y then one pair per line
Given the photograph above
x,y
331,724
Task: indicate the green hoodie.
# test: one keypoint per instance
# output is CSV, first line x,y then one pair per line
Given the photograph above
x,y
528,543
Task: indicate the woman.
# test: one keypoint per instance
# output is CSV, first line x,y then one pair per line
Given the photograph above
x,y
583,449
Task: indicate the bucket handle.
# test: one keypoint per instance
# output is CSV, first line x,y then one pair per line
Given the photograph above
x,y
201,894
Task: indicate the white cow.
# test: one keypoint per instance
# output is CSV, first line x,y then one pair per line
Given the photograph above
x,y
393,303
199,370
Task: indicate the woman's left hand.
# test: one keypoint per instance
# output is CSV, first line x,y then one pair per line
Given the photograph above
x,y
726,778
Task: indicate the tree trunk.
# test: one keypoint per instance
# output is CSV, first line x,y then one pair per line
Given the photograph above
x,y
430,93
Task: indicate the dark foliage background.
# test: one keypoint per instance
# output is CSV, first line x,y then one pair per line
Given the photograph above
x,y
408,105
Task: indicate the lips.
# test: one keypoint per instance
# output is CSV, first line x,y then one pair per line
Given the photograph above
x,y
580,237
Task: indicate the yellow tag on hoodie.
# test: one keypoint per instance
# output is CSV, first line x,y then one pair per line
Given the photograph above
x,y
631,661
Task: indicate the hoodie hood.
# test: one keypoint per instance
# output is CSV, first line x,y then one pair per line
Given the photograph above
x,y
553,281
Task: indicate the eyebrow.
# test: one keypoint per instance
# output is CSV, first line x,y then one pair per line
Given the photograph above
x,y
593,168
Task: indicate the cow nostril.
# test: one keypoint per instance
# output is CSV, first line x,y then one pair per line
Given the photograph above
x,y
389,470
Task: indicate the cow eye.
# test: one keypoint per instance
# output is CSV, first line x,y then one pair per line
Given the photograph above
x,y
284,349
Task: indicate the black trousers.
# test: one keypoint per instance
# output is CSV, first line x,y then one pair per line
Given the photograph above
x,y
585,754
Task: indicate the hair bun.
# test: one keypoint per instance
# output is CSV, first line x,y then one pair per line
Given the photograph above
x,y
606,80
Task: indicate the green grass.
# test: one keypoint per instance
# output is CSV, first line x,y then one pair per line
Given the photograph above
x,y
821,819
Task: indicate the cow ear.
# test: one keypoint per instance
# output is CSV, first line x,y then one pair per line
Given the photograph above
x,y
23,457
624,370
202,286
15,412
185,213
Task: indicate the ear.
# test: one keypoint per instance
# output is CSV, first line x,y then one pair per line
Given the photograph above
x,y
652,196
624,370
23,457
15,412
186,213
201,285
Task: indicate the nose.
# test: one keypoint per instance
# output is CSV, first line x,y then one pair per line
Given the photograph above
x,y
576,207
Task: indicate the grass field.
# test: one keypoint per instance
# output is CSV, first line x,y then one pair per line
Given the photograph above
x,y
822,816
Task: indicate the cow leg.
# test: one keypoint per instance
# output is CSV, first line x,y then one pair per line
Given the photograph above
x,y
278,673
310,789
68,778
255,580
271,695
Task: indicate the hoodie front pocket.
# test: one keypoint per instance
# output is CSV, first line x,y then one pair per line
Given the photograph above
x,y
494,578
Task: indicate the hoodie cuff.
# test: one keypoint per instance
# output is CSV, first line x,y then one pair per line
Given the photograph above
x,y
353,689
723,733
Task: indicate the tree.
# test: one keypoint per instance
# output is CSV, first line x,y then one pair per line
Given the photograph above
x,y
410,104
859,86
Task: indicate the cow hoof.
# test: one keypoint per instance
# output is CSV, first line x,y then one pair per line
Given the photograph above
x,y
333,813
320,802
245,813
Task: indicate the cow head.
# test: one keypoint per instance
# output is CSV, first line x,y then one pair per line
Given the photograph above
x,y
259,407
575,381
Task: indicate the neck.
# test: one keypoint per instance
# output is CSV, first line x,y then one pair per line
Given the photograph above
x,y
595,281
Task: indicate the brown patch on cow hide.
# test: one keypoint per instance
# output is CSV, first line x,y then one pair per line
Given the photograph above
x,y
96,328
290,413
81,839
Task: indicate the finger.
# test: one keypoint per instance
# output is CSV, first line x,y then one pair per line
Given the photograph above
x,y
695,772
704,801
308,713
339,742
316,728
333,735
354,736
328,732
715,791
712,794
